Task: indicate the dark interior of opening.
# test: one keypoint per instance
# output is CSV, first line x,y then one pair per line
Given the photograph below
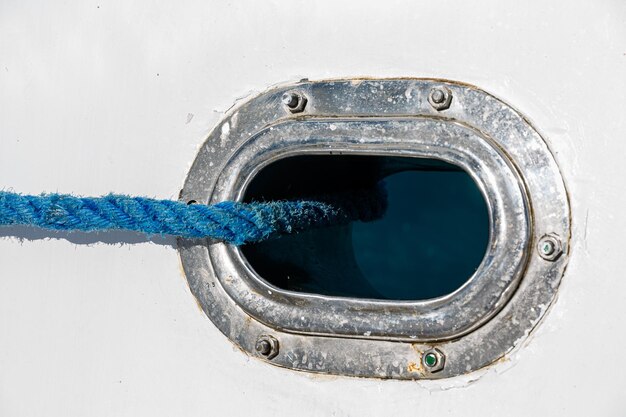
x,y
430,241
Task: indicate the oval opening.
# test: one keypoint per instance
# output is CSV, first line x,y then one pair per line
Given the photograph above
x,y
430,241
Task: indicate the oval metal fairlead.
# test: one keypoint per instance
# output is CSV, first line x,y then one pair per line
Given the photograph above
x,y
420,120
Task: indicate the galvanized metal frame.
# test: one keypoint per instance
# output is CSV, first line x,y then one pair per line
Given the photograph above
x,y
474,326
426,320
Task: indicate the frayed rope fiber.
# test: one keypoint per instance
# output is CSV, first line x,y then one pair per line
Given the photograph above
x,y
228,221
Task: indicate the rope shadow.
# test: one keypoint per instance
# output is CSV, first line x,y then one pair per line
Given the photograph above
x,y
108,237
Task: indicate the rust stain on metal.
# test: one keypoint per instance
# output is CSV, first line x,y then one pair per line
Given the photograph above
x,y
414,367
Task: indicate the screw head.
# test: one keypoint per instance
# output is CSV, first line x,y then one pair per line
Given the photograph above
x,y
440,98
290,99
430,359
267,346
550,247
294,101
263,347
433,360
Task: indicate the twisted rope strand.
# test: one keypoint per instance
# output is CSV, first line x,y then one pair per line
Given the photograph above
x,y
228,221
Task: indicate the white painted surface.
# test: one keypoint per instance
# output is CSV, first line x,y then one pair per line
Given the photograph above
x,y
117,96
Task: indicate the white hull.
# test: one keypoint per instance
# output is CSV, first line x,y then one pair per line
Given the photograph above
x,y
118,96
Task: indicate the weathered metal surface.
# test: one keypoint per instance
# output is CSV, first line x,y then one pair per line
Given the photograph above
x,y
428,320
474,326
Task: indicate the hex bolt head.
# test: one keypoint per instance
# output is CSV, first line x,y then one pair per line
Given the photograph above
x,y
440,98
294,101
433,360
550,247
267,346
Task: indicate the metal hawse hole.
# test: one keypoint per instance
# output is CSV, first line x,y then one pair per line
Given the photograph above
x,y
346,132
431,240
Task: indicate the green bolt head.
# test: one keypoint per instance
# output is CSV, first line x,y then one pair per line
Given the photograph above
x,y
433,360
430,359
547,248
550,247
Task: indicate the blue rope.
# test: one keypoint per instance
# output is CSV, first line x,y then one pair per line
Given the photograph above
x,y
228,221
